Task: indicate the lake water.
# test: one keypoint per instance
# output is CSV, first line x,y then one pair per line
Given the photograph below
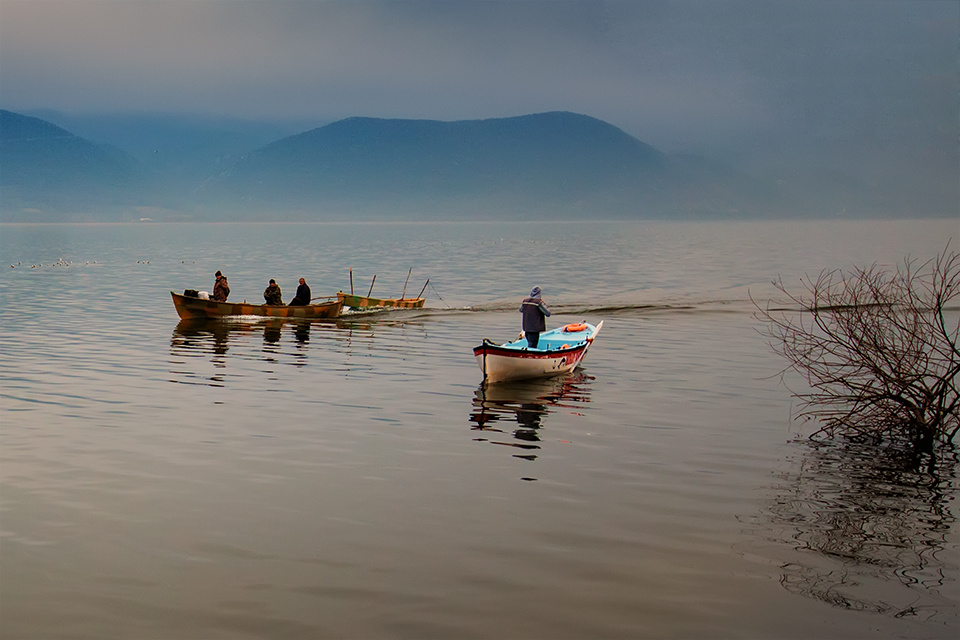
x,y
353,479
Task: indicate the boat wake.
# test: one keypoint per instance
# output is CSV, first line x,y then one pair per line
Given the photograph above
x,y
605,309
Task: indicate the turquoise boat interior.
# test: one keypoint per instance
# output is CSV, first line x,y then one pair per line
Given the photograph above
x,y
563,337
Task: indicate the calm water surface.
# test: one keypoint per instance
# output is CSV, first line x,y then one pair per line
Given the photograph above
x,y
353,479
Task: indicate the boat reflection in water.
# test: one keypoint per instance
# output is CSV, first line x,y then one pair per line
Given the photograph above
x,y
204,336
527,403
216,337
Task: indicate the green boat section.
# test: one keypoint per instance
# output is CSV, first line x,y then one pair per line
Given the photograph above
x,y
364,302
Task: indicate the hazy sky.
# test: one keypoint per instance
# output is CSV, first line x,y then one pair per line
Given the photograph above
x,y
871,82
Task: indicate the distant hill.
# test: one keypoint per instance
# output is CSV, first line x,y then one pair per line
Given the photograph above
x,y
555,164
176,152
48,173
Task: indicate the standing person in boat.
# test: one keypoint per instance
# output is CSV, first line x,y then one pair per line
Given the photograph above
x,y
220,288
303,295
272,293
534,313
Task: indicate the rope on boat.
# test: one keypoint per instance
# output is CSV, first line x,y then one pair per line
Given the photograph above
x,y
432,288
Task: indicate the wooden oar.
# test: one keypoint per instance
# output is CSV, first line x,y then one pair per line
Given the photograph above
x,y
404,292
424,288
371,285
595,332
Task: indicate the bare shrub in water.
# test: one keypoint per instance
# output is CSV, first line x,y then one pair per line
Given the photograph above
x,y
876,349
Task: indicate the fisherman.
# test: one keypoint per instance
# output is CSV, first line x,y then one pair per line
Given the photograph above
x,y
534,313
303,295
220,288
272,293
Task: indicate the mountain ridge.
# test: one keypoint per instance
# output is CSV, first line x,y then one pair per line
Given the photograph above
x,y
551,165
46,166
559,164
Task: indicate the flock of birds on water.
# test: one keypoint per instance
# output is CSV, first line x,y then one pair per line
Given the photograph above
x,y
60,263
66,263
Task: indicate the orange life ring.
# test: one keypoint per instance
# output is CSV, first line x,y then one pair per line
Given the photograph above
x,y
575,328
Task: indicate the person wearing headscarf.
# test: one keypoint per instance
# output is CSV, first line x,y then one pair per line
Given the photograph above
x,y
272,293
534,313
303,295
220,288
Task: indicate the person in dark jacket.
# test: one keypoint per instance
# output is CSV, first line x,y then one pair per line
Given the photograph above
x,y
303,295
272,293
534,313
220,288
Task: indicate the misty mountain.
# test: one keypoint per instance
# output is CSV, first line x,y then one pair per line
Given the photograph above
x,y
179,151
555,164
44,167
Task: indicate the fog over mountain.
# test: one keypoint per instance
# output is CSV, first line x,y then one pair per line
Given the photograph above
x,y
541,165
181,145
46,170
555,165
814,108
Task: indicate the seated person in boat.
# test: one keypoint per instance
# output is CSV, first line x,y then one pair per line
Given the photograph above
x,y
220,289
303,295
534,317
272,293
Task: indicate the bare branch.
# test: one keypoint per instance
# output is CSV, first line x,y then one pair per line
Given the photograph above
x,y
876,349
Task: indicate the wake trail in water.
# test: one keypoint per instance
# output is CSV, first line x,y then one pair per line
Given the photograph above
x,y
585,308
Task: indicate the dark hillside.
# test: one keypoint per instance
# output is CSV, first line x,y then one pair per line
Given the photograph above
x,y
556,165
528,163
47,172
177,152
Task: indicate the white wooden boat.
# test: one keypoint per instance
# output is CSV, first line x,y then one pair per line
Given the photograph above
x,y
559,350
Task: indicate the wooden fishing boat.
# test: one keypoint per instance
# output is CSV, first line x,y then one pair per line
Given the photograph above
x,y
190,307
559,350
365,302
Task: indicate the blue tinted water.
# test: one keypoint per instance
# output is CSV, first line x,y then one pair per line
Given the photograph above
x,y
353,478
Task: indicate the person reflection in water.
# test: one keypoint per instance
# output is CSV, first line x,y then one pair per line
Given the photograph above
x,y
534,313
303,295
272,293
271,333
529,415
302,332
220,288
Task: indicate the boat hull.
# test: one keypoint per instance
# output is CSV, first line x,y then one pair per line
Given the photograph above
x,y
363,302
560,352
190,308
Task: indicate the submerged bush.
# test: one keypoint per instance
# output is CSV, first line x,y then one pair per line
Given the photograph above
x,y
876,349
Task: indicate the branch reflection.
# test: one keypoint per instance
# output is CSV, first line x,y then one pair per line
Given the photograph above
x,y
866,529
527,403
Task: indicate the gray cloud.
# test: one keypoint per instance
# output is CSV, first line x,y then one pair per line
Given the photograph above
x,y
871,83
